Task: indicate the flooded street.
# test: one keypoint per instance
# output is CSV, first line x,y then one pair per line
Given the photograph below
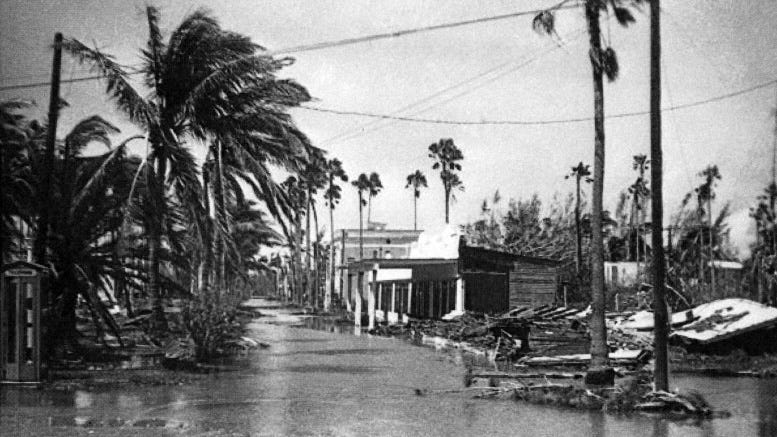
x,y
313,382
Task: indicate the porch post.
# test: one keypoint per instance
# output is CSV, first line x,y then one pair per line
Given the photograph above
x,y
409,297
371,298
357,315
460,294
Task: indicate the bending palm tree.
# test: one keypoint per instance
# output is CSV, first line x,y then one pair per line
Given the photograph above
x,y
416,180
205,82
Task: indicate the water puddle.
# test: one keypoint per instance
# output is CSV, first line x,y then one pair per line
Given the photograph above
x,y
323,368
355,351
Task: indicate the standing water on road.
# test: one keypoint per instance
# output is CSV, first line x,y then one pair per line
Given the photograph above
x,y
313,382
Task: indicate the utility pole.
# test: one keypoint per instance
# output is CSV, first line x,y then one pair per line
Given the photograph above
x,y
660,312
41,236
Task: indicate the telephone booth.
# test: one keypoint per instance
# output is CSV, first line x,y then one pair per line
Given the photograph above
x,y
20,327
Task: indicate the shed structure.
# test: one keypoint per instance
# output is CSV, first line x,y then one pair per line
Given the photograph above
x,y
476,279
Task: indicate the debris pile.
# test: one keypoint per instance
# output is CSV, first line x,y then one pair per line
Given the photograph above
x,y
690,403
521,331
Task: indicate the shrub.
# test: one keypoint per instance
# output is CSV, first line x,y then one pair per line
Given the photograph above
x,y
211,325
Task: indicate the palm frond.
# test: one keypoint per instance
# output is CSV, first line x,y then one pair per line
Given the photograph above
x,y
118,87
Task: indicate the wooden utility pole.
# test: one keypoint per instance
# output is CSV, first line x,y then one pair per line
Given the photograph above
x,y
660,312
41,235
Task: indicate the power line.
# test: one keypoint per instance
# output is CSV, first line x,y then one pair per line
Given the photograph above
x,y
526,60
44,84
539,122
399,33
342,42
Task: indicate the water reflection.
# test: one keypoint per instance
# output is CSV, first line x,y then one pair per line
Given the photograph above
x,y
597,421
660,427
766,401
313,383
83,399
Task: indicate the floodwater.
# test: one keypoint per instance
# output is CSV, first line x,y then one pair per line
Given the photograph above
x,y
318,382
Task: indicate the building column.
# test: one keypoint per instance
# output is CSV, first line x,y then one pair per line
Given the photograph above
x,y
460,294
393,297
357,314
348,294
371,299
409,297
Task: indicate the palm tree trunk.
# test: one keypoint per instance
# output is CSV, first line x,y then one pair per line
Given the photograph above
x,y
308,249
369,210
207,237
711,249
300,286
361,229
221,215
155,244
415,210
578,239
447,205
599,352
316,263
330,290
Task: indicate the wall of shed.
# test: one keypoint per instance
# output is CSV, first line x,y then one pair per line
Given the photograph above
x,y
532,285
486,292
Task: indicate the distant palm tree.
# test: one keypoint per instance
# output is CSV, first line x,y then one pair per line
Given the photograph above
x,y
446,157
206,82
416,180
580,172
603,62
362,184
375,185
334,171
313,178
295,194
704,195
640,192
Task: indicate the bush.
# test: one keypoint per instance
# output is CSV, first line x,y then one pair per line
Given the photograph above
x,y
212,325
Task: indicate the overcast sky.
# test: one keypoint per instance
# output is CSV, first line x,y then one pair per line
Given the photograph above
x,y
499,70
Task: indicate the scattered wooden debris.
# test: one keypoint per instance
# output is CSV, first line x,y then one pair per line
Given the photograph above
x,y
690,403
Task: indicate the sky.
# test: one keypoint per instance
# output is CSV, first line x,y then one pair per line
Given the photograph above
x,y
499,70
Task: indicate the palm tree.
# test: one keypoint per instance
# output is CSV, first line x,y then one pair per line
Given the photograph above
x,y
704,195
603,62
417,180
362,184
296,197
16,187
334,171
579,172
313,178
205,83
639,192
446,155
375,185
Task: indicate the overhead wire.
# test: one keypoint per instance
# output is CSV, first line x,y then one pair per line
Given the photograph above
x,y
540,122
347,41
520,64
